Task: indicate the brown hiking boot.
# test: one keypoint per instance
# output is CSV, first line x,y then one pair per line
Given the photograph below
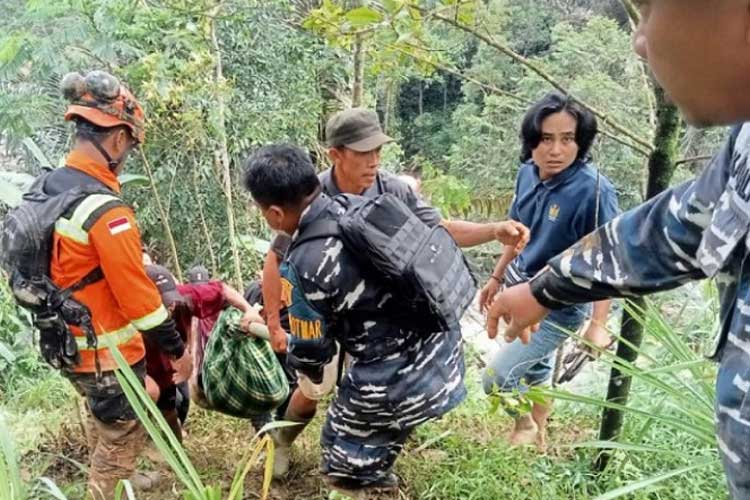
x,y
114,458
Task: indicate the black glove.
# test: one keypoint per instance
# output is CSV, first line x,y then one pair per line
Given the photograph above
x,y
56,342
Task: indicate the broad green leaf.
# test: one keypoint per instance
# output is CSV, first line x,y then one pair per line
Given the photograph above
x,y
134,179
392,6
6,353
363,16
37,152
10,47
259,245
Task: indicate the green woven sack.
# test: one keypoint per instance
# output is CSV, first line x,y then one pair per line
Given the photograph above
x,y
241,375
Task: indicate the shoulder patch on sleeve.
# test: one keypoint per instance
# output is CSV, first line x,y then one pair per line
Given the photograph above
x,y
119,225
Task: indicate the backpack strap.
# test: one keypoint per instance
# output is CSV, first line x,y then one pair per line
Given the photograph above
x,y
61,295
321,228
91,277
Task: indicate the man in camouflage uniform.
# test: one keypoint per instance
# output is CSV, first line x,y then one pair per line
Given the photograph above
x,y
696,230
355,140
398,378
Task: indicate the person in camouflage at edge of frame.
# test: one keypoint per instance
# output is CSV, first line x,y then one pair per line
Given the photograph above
x,y
398,378
696,230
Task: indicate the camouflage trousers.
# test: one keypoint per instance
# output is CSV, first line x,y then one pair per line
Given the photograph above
x,y
349,456
114,435
733,414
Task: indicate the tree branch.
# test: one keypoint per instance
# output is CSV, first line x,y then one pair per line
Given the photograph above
x,y
489,40
692,159
617,139
633,14
495,90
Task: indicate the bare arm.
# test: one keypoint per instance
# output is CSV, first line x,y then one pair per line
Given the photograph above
x,y
469,234
601,312
490,289
272,301
596,333
235,298
509,253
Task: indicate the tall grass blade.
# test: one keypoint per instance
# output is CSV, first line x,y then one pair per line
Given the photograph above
x,y
11,485
52,489
147,413
646,483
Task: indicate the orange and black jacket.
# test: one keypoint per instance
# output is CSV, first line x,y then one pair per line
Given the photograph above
x,y
101,232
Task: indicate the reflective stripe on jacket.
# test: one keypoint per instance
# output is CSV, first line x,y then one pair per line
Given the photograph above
x,y
102,232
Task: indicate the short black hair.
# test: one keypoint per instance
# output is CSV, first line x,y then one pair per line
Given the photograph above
x,y
280,174
555,102
87,130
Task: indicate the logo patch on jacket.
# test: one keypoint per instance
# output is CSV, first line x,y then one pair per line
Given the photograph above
x,y
554,212
118,225
286,292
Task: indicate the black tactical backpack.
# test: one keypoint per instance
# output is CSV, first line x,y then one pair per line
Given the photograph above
x,y
26,251
424,266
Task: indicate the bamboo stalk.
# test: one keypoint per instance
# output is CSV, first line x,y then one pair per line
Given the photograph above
x,y
204,225
223,153
162,215
359,70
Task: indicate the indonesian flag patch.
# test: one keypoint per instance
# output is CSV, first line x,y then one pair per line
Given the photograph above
x,y
118,225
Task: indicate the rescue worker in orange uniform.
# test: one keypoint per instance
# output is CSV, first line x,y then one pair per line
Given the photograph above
x,y
101,233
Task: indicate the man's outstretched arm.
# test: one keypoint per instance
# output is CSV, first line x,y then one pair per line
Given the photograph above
x,y
469,234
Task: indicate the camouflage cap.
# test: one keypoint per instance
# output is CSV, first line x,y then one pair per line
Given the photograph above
x,y
357,129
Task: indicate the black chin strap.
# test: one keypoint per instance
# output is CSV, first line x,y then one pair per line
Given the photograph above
x,y
112,164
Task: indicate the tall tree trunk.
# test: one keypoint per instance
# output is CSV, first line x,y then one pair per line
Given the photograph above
x,y
223,152
420,102
661,166
445,93
387,106
359,70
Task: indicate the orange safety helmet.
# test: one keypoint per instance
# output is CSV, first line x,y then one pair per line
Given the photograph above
x,y
100,99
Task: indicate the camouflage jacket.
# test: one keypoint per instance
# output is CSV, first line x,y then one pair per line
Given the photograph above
x,y
332,298
695,230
